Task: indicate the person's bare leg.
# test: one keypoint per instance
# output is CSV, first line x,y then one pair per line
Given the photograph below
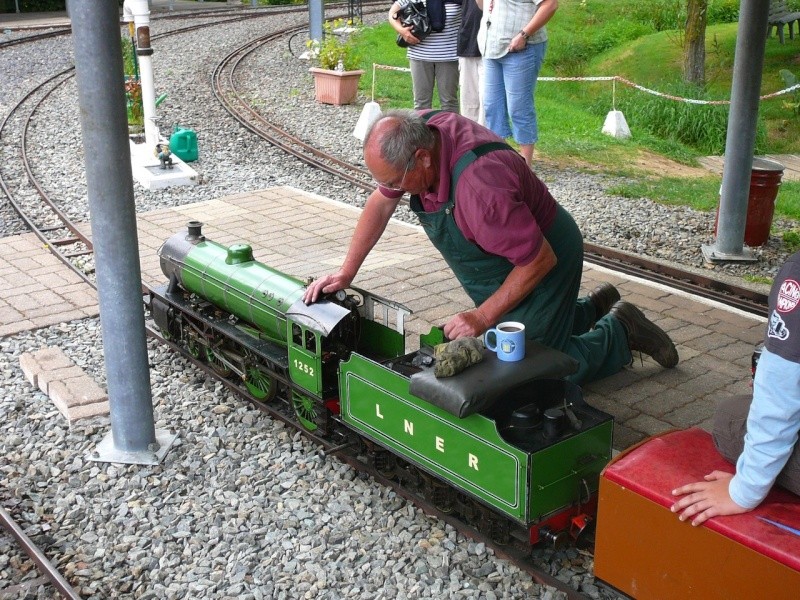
x,y
526,150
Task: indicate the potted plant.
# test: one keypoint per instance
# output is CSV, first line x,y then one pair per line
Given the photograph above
x,y
336,74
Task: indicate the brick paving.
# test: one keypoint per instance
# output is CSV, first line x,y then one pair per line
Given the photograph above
x,y
72,391
306,236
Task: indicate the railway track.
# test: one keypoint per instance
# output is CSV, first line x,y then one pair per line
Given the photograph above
x,y
240,107
56,228
50,574
43,214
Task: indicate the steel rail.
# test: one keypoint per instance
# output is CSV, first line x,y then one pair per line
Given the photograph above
x,y
33,551
158,16
37,37
40,232
255,122
68,224
735,296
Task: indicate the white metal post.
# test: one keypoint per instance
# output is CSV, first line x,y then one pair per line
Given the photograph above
x,y
139,11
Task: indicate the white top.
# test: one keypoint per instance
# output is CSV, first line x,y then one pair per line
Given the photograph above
x,y
441,46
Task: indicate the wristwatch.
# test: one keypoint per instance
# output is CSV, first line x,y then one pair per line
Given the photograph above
x,y
524,35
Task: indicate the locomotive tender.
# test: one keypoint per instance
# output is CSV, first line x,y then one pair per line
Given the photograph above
x,y
510,447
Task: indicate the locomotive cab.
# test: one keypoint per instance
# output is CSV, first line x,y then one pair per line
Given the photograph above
x,y
318,336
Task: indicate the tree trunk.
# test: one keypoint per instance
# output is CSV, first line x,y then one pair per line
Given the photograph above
x,y
694,56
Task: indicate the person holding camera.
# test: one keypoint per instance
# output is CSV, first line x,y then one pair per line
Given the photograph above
x,y
432,57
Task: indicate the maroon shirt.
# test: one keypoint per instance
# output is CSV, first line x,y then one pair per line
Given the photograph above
x,y
500,203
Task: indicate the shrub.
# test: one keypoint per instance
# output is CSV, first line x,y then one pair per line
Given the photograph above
x,y
665,15
129,58
700,126
722,11
338,48
570,56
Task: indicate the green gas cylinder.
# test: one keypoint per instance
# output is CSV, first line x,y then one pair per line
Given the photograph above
x,y
183,143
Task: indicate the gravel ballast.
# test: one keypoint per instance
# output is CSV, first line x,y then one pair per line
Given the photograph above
x,y
242,506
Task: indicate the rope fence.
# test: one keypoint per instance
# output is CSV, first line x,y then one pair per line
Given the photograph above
x,y
614,79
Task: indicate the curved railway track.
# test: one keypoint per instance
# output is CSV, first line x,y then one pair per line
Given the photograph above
x,y
35,37
55,227
41,213
223,81
158,16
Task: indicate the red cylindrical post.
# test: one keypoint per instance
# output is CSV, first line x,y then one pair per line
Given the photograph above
x,y
764,183
765,179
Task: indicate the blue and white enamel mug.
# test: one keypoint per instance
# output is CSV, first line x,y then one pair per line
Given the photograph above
x,y
507,340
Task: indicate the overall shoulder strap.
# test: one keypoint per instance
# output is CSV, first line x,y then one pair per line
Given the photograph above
x,y
429,114
468,157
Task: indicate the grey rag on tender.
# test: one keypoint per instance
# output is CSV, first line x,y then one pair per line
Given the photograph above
x,y
453,357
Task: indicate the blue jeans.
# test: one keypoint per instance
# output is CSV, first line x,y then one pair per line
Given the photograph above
x,y
509,84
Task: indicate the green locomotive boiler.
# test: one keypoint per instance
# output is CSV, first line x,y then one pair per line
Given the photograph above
x,y
511,447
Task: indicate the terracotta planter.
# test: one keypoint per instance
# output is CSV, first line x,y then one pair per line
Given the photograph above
x,y
335,87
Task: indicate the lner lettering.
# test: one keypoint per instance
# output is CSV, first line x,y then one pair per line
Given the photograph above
x,y
438,442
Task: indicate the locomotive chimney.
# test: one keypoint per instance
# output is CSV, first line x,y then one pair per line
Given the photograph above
x,y
195,232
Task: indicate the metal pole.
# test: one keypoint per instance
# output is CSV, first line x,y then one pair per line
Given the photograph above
x,y
316,17
748,64
99,73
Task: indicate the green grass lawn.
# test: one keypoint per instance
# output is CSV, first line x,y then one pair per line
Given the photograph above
x,y
641,42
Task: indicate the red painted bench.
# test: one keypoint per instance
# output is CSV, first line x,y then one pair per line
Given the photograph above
x,y
643,550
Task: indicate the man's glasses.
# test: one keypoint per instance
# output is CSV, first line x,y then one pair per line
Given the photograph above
x,y
399,186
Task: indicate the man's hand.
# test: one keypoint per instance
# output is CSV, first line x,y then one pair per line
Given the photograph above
x,y
705,499
325,285
466,324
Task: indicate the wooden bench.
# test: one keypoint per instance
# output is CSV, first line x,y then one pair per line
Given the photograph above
x,y
780,15
642,549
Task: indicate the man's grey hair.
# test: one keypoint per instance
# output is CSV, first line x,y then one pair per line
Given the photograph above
x,y
400,142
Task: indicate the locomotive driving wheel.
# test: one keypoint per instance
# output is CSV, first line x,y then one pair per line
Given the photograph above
x,y
307,411
194,348
220,368
260,384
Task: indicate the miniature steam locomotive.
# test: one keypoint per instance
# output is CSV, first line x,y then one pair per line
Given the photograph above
x,y
512,448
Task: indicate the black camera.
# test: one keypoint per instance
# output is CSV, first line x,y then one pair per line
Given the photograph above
x,y
414,13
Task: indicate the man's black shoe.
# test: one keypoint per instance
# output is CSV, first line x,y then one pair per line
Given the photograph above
x,y
644,335
603,297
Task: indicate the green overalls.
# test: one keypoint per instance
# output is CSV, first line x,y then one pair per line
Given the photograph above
x,y
551,314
